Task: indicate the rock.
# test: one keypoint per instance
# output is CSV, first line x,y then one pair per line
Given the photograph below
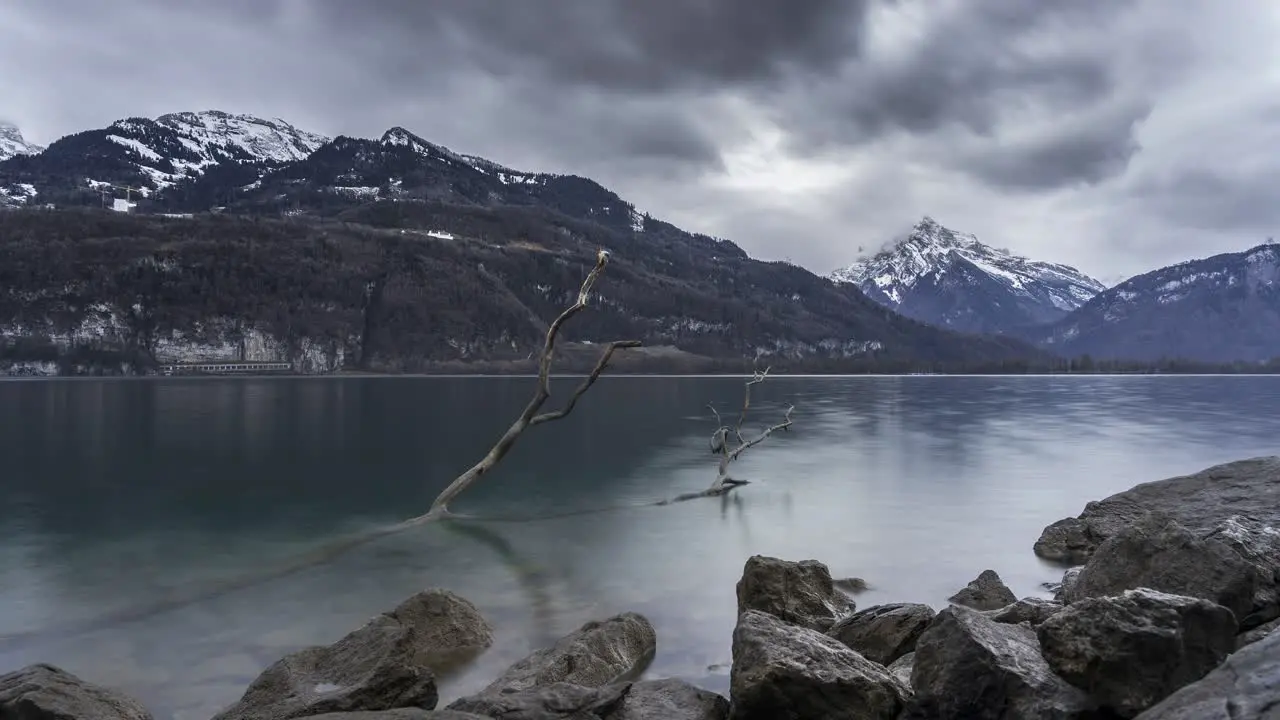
x,y
901,668
1132,651
786,671
884,633
400,714
1256,634
1029,610
853,585
970,667
1199,502
1067,589
389,663
1244,687
1158,553
45,692
801,593
594,655
986,592
546,702
670,700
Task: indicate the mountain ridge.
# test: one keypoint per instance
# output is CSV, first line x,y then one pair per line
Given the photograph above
x,y
951,279
13,143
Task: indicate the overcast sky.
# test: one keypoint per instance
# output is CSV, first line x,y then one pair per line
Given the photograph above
x,y
1115,135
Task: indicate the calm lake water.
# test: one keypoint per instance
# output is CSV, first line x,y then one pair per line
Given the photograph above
x,y
117,494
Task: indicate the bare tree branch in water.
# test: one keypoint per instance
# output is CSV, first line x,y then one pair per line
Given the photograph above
x,y
722,441
531,416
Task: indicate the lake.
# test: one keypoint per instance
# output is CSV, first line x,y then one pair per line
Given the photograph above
x,y
119,494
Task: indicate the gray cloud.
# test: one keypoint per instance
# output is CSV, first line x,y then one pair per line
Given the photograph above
x,y
1110,134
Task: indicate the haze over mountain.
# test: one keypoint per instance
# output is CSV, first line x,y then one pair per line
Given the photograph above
x,y
13,143
950,279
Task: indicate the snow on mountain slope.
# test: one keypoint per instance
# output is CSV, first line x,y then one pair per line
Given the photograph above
x,y
12,143
947,278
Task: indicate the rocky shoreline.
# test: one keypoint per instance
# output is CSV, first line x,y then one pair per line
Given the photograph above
x,y
1168,611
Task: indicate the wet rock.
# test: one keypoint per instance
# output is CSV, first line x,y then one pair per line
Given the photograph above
x,y
546,702
389,663
1158,553
1256,634
1029,610
970,667
1200,502
801,593
782,670
884,633
1132,651
853,585
400,714
594,655
1244,687
1067,588
901,668
669,700
45,692
986,592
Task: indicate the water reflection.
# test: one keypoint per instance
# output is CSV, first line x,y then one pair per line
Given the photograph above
x,y
119,492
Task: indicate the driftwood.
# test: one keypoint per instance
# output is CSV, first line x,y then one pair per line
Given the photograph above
x,y
531,416
724,436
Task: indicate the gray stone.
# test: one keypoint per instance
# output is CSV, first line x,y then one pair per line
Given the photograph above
x,y
884,633
389,663
801,593
1067,588
1245,687
45,692
555,701
986,592
669,700
597,654
1158,553
1029,610
1132,651
1200,502
782,670
901,668
1236,505
399,714
969,667
1256,634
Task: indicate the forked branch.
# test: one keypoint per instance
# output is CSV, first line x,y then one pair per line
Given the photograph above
x,y
722,441
530,416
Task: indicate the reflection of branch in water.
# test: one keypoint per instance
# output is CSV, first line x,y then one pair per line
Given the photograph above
x,y
531,579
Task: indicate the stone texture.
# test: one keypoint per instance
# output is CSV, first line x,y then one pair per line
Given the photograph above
x,y
786,671
901,668
670,700
801,593
986,592
884,633
594,655
389,663
1245,687
45,692
969,667
1132,651
1029,610
555,701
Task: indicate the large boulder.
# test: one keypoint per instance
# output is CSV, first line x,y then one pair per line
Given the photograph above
x,y
1236,505
1244,687
45,692
596,654
1157,552
800,593
901,668
884,633
1029,610
669,700
967,666
389,663
1256,634
1200,502
782,670
986,592
400,714
1130,652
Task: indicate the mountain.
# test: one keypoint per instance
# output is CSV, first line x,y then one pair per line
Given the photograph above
x,y
949,279
1218,309
141,157
12,143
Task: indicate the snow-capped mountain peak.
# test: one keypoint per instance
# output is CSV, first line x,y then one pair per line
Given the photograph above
x,y
12,143
271,140
945,277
